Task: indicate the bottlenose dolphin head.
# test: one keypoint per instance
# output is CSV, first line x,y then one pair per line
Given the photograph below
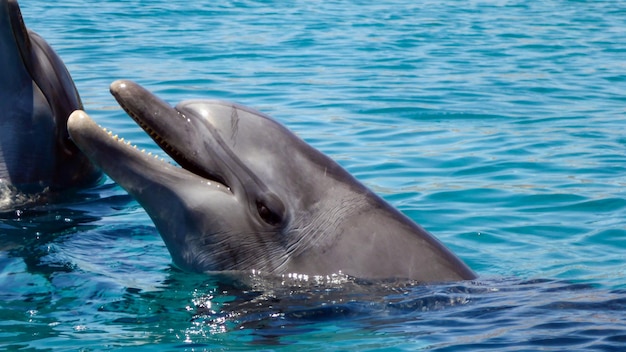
x,y
37,95
236,202
249,194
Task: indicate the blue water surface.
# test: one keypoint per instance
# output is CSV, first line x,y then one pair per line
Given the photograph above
x,y
496,125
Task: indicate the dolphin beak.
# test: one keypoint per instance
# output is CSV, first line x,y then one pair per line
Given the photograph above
x,y
135,99
118,158
138,101
161,121
131,168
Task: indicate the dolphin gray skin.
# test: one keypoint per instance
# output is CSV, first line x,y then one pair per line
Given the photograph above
x,y
251,195
37,95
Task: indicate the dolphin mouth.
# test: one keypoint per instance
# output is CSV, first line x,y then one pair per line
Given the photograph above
x,y
125,163
159,129
170,150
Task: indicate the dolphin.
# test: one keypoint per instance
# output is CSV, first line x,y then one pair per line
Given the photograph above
x,y
37,95
248,194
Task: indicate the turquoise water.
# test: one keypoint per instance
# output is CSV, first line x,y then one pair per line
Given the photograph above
x,y
497,125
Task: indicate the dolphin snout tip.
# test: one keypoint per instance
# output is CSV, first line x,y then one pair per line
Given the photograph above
x,y
81,127
78,114
77,119
118,85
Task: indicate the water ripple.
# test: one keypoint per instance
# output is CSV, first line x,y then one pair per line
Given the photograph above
x,y
497,125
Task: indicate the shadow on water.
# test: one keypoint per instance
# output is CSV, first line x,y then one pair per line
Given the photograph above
x,y
483,314
28,231
198,311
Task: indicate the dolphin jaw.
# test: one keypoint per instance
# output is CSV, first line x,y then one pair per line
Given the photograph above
x,y
92,139
160,141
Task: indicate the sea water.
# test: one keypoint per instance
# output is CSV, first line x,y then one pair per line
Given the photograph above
x,y
496,125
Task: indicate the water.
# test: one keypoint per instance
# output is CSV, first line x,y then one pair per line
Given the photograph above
x,y
497,125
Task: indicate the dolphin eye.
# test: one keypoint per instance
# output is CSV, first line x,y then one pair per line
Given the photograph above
x,y
270,217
